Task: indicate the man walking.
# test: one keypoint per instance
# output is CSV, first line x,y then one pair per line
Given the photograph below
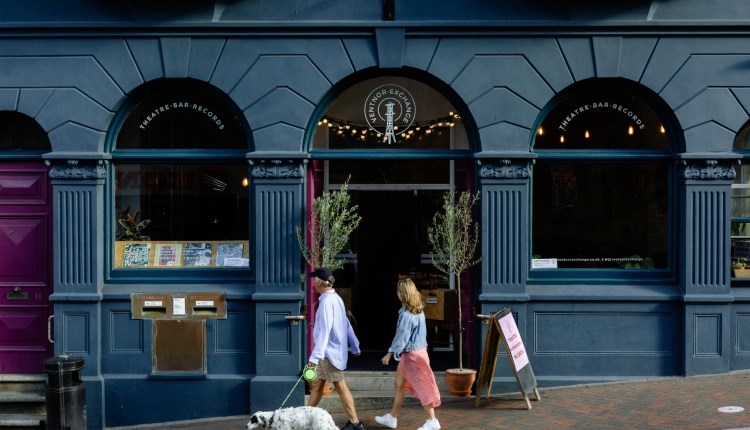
x,y
333,336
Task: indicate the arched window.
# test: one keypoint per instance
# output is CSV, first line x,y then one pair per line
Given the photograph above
x,y
400,142
601,188
181,179
21,132
741,207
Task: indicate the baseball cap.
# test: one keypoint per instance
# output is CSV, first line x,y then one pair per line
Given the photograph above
x,y
322,273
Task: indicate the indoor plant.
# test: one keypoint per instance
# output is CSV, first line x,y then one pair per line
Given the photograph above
x,y
132,228
741,268
453,236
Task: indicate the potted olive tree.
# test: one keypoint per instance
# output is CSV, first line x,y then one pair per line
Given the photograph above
x,y
332,221
454,237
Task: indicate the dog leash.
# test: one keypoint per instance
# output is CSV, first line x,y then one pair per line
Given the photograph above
x,y
308,374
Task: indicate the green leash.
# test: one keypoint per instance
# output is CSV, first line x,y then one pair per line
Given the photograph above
x,y
308,374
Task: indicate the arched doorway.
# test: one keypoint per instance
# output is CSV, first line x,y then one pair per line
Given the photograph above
x,y
399,144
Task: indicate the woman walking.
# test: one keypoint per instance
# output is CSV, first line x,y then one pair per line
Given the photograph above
x,y
409,348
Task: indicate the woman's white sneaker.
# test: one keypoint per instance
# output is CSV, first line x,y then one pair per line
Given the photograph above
x,y
388,421
430,425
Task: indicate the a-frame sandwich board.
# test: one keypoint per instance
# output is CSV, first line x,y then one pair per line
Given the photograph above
x,y
503,330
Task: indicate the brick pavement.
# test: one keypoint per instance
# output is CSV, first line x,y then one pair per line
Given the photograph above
x,y
661,403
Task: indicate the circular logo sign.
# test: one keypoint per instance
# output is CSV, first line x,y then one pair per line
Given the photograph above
x,y
390,109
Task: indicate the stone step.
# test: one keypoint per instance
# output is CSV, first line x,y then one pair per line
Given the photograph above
x,y
382,381
374,390
22,382
21,421
22,401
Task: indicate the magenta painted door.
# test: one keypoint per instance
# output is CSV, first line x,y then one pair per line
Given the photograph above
x,y
25,266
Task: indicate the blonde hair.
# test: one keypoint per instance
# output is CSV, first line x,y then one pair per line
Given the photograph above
x,y
410,297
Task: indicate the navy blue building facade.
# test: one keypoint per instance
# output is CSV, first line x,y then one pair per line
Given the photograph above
x,y
80,68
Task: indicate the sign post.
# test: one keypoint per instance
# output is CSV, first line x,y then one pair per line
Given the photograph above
x,y
502,329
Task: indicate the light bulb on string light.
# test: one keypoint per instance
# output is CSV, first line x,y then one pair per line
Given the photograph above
x,y
630,130
586,134
540,131
562,138
417,129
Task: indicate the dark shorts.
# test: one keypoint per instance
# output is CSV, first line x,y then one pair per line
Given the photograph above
x,y
328,372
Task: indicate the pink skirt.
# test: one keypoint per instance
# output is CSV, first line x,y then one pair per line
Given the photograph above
x,y
418,376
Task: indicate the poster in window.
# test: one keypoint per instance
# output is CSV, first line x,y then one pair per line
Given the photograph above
x,y
168,255
230,255
197,254
136,254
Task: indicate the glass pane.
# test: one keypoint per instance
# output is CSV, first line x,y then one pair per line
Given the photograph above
x,y
742,141
203,207
21,132
183,114
741,193
391,172
602,118
186,201
601,215
414,115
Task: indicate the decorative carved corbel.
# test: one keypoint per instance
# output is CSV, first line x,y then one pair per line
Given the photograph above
x,y
74,169
708,170
505,169
278,169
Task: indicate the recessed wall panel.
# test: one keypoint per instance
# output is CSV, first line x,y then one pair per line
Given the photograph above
x,y
603,333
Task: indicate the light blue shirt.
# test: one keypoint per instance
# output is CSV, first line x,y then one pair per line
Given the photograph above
x,y
411,333
333,334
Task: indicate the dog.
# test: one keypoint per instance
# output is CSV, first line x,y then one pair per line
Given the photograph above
x,y
299,418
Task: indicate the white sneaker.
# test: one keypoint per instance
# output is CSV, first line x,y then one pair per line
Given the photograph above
x,y
430,425
388,421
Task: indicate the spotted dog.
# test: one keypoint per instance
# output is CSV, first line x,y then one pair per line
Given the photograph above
x,y
299,418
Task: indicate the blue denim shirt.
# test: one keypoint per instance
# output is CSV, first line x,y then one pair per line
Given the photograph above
x,y
411,333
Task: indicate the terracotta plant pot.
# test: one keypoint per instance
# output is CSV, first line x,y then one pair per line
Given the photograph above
x,y
741,272
460,381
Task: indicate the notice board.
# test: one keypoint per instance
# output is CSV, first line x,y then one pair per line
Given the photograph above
x,y
503,330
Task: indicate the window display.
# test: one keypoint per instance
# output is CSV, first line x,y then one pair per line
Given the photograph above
x,y
181,180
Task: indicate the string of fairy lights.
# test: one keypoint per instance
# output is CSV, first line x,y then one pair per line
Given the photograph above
x,y
363,132
586,134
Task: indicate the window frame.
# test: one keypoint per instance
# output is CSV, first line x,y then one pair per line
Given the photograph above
x,y
155,275
665,275
743,135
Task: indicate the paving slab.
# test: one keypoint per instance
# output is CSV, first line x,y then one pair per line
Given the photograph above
x,y
710,402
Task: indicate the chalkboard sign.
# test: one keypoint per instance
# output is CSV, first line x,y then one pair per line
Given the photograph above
x,y
503,330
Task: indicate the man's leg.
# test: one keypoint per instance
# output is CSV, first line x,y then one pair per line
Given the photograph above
x,y
347,401
316,391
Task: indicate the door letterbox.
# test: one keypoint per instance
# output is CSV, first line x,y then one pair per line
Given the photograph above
x,y
179,327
